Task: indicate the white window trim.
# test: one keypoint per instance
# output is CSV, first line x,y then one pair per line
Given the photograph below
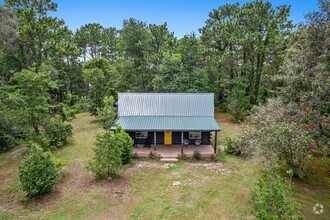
x,y
141,132
200,134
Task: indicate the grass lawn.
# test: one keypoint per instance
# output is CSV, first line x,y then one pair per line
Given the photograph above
x,y
147,189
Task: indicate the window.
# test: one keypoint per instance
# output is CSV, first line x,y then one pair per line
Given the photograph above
x,y
141,134
195,135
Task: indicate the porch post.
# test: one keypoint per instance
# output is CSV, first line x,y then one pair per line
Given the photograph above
x,y
181,142
155,141
215,142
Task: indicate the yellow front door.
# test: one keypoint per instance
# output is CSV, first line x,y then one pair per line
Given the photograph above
x,y
168,137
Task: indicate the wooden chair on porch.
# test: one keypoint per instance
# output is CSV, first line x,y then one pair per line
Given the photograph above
x,y
198,142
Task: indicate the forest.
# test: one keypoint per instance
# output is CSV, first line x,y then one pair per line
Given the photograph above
x,y
263,70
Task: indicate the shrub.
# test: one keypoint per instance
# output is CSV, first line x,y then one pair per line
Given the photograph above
x,y
151,154
69,112
125,142
279,137
41,140
110,152
76,104
213,157
57,131
183,157
197,154
59,164
135,155
107,160
232,146
271,199
81,105
37,172
72,105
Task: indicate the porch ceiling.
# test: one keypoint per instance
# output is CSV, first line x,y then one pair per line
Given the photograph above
x,y
168,123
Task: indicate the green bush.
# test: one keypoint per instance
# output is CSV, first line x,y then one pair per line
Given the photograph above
x,y
57,131
183,157
69,112
41,140
110,152
59,164
81,105
73,105
197,154
271,198
232,146
125,142
37,172
76,103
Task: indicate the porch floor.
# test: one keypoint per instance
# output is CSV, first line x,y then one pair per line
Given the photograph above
x,y
173,151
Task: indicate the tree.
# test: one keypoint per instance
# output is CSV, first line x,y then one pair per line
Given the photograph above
x,y
9,62
14,123
107,114
247,41
161,42
110,152
109,44
306,83
101,77
294,126
134,45
96,41
165,81
173,77
37,113
238,102
279,137
271,198
41,35
37,172
190,49
57,131
34,89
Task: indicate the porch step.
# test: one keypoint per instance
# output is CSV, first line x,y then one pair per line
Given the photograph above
x,y
169,159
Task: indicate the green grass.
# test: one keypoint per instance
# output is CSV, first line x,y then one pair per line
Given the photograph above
x,y
227,125
202,194
145,190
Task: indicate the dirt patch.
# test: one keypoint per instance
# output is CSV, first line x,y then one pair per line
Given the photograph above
x,y
5,180
154,165
119,188
214,167
20,150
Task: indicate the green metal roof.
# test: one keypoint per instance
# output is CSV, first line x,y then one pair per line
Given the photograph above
x,y
165,104
166,111
169,123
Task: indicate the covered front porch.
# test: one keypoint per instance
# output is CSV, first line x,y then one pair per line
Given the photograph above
x,y
173,151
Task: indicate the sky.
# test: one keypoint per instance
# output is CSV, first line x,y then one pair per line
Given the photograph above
x,y
182,16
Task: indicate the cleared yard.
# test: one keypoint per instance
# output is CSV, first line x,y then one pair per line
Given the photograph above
x,y
147,189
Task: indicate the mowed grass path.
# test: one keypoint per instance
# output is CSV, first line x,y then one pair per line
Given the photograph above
x,y
146,190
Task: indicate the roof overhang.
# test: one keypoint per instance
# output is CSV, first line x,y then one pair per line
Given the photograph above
x,y
168,123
